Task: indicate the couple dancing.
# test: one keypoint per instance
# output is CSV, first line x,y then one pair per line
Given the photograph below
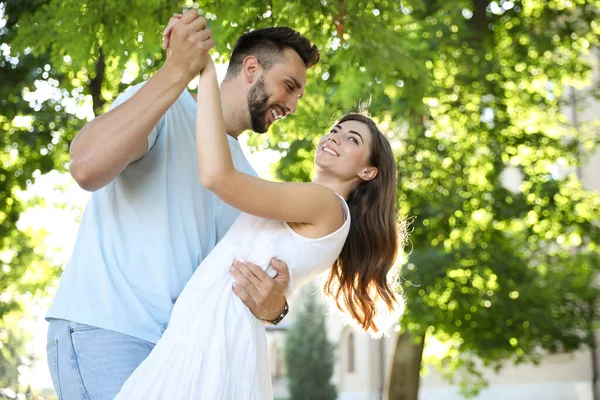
x,y
169,286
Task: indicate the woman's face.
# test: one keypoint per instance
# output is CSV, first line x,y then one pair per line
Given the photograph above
x,y
346,150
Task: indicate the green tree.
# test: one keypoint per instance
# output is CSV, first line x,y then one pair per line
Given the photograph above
x,y
309,354
12,351
499,274
467,91
30,147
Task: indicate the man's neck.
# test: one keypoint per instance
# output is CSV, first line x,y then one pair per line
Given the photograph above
x,y
232,105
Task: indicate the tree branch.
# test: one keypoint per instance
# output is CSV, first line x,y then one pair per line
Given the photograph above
x,y
96,82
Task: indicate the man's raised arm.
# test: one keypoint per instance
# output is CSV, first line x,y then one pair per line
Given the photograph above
x,y
110,142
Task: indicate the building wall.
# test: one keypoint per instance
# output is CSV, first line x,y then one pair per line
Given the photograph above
x,y
366,380
585,115
564,376
558,377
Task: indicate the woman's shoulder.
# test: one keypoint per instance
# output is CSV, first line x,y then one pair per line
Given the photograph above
x,y
333,222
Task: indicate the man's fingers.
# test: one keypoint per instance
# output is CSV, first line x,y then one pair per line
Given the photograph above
x,y
189,16
246,299
260,293
209,44
246,283
249,271
280,267
198,24
172,21
258,272
204,34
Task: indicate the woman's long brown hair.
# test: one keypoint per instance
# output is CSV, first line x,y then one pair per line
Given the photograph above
x,y
359,277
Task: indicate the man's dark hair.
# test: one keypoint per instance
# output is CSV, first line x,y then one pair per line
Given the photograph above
x,y
268,46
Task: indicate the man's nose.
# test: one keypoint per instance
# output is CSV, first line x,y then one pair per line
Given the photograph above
x,y
290,105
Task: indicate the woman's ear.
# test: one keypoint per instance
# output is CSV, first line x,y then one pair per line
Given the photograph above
x,y
250,68
368,174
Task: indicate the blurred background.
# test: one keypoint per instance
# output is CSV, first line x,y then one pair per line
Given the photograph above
x,y
493,110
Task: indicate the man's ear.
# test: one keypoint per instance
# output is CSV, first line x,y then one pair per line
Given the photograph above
x,y
368,174
250,69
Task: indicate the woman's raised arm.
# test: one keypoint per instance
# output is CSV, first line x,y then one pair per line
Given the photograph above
x,y
292,202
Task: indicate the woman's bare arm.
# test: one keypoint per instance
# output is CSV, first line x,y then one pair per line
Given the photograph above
x,y
292,202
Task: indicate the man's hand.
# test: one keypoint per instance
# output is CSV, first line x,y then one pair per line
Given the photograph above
x,y
187,40
263,295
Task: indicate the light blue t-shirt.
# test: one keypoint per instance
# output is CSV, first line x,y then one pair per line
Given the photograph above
x,y
143,235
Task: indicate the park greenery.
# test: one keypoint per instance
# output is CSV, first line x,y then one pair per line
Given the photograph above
x,y
469,92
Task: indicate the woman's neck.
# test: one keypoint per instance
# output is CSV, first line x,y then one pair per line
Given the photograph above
x,y
344,189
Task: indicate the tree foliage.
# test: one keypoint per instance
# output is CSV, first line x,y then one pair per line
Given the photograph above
x,y
501,273
468,91
13,341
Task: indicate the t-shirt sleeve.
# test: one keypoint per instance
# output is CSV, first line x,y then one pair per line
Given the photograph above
x,y
156,130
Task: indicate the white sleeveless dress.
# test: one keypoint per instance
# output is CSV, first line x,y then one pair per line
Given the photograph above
x,y
213,347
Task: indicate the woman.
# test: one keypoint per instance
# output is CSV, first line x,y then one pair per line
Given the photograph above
x,y
214,348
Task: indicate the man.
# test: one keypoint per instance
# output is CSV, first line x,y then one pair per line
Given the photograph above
x,y
149,222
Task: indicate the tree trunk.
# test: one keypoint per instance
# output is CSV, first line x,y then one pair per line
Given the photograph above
x,y
403,380
95,84
593,348
479,20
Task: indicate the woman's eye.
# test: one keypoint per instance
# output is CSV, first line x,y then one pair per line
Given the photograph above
x,y
354,140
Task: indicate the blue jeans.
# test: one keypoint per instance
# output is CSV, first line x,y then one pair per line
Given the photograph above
x,y
89,363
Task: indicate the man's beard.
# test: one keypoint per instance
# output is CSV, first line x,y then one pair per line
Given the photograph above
x,y
258,104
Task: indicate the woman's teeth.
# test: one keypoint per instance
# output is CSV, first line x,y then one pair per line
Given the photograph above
x,y
328,150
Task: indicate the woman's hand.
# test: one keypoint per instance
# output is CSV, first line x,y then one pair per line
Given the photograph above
x,y
209,67
167,32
